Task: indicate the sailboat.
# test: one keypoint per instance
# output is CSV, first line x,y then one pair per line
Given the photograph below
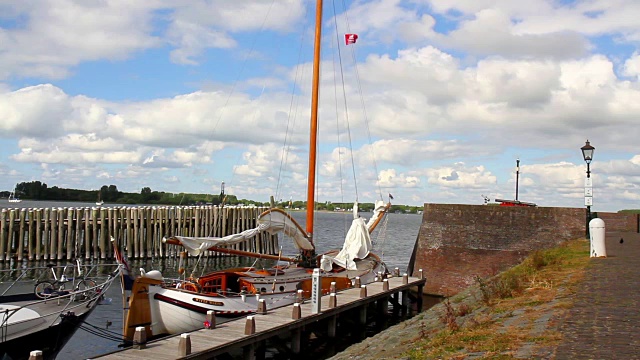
x,y
164,306
100,202
13,198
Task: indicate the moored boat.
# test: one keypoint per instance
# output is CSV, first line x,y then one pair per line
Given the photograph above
x,y
44,318
171,306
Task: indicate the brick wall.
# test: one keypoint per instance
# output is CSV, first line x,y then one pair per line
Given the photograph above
x,y
456,243
619,221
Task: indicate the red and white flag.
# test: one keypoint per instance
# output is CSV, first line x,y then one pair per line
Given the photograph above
x,y
350,38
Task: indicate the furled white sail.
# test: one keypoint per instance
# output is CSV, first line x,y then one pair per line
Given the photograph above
x,y
357,245
378,211
271,221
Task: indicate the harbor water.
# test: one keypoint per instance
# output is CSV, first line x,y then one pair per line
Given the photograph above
x,y
393,242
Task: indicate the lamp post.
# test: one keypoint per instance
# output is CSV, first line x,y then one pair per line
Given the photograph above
x,y
587,154
517,176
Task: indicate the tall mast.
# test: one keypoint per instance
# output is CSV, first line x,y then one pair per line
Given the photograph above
x,y
313,128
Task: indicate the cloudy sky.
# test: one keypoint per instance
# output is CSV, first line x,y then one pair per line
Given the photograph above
x,y
445,95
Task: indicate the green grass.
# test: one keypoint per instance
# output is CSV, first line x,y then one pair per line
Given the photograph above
x,y
526,286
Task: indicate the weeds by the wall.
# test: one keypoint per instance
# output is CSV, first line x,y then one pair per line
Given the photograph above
x,y
527,285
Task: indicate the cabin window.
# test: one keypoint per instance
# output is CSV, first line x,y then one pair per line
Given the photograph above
x,y
213,285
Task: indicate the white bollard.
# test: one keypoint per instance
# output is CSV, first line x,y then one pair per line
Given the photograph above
x,y
596,235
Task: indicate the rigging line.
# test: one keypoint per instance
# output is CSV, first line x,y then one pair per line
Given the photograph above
x,y
362,102
346,107
335,96
286,147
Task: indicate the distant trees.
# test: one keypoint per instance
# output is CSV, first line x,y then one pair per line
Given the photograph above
x,y
36,190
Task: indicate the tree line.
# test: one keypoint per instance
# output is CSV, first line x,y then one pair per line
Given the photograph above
x,y
36,190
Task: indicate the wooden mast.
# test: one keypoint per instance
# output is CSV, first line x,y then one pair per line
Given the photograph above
x,y
313,128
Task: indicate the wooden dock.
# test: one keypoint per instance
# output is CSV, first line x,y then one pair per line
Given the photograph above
x,y
248,336
68,233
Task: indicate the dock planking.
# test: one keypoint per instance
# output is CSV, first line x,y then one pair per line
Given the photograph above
x,y
230,336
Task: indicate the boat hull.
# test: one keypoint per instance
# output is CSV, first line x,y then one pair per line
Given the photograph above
x,y
50,340
175,311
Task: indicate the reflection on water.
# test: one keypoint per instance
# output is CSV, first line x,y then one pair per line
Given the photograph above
x,y
394,248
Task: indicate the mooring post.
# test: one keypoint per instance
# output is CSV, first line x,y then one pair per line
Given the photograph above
x,y
332,301
36,355
262,307
332,288
300,297
210,320
184,346
363,291
420,274
140,338
296,313
250,326
385,285
396,272
357,282
405,279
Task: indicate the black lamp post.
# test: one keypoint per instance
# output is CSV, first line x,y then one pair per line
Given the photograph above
x,y
587,154
517,176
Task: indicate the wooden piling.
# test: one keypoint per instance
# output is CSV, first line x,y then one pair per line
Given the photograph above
x,y
69,233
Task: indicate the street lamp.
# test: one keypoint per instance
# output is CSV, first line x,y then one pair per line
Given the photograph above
x,y
517,176
587,154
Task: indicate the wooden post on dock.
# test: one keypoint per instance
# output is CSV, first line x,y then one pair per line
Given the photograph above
x,y
36,355
184,347
210,319
250,326
262,307
140,338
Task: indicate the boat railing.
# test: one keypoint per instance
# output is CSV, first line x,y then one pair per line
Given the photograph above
x,y
64,301
22,279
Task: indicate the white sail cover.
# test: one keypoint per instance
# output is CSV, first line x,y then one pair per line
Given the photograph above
x,y
357,244
278,220
378,210
271,222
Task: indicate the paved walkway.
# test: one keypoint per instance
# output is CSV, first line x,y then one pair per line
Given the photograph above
x,y
604,323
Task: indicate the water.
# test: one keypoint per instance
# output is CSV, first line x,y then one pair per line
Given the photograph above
x,y
393,244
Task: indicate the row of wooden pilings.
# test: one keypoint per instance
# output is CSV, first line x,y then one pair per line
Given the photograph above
x,y
69,233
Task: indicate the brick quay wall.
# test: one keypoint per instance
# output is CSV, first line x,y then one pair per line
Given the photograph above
x,y
457,243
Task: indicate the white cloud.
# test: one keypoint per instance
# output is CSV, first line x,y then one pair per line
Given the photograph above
x,y
56,35
460,176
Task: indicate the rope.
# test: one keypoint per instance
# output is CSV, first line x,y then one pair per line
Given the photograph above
x,y
364,109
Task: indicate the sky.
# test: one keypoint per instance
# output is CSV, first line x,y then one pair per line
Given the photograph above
x,y
444,96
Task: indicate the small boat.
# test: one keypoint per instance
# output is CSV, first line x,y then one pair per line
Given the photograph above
x,y
13,198
43,317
